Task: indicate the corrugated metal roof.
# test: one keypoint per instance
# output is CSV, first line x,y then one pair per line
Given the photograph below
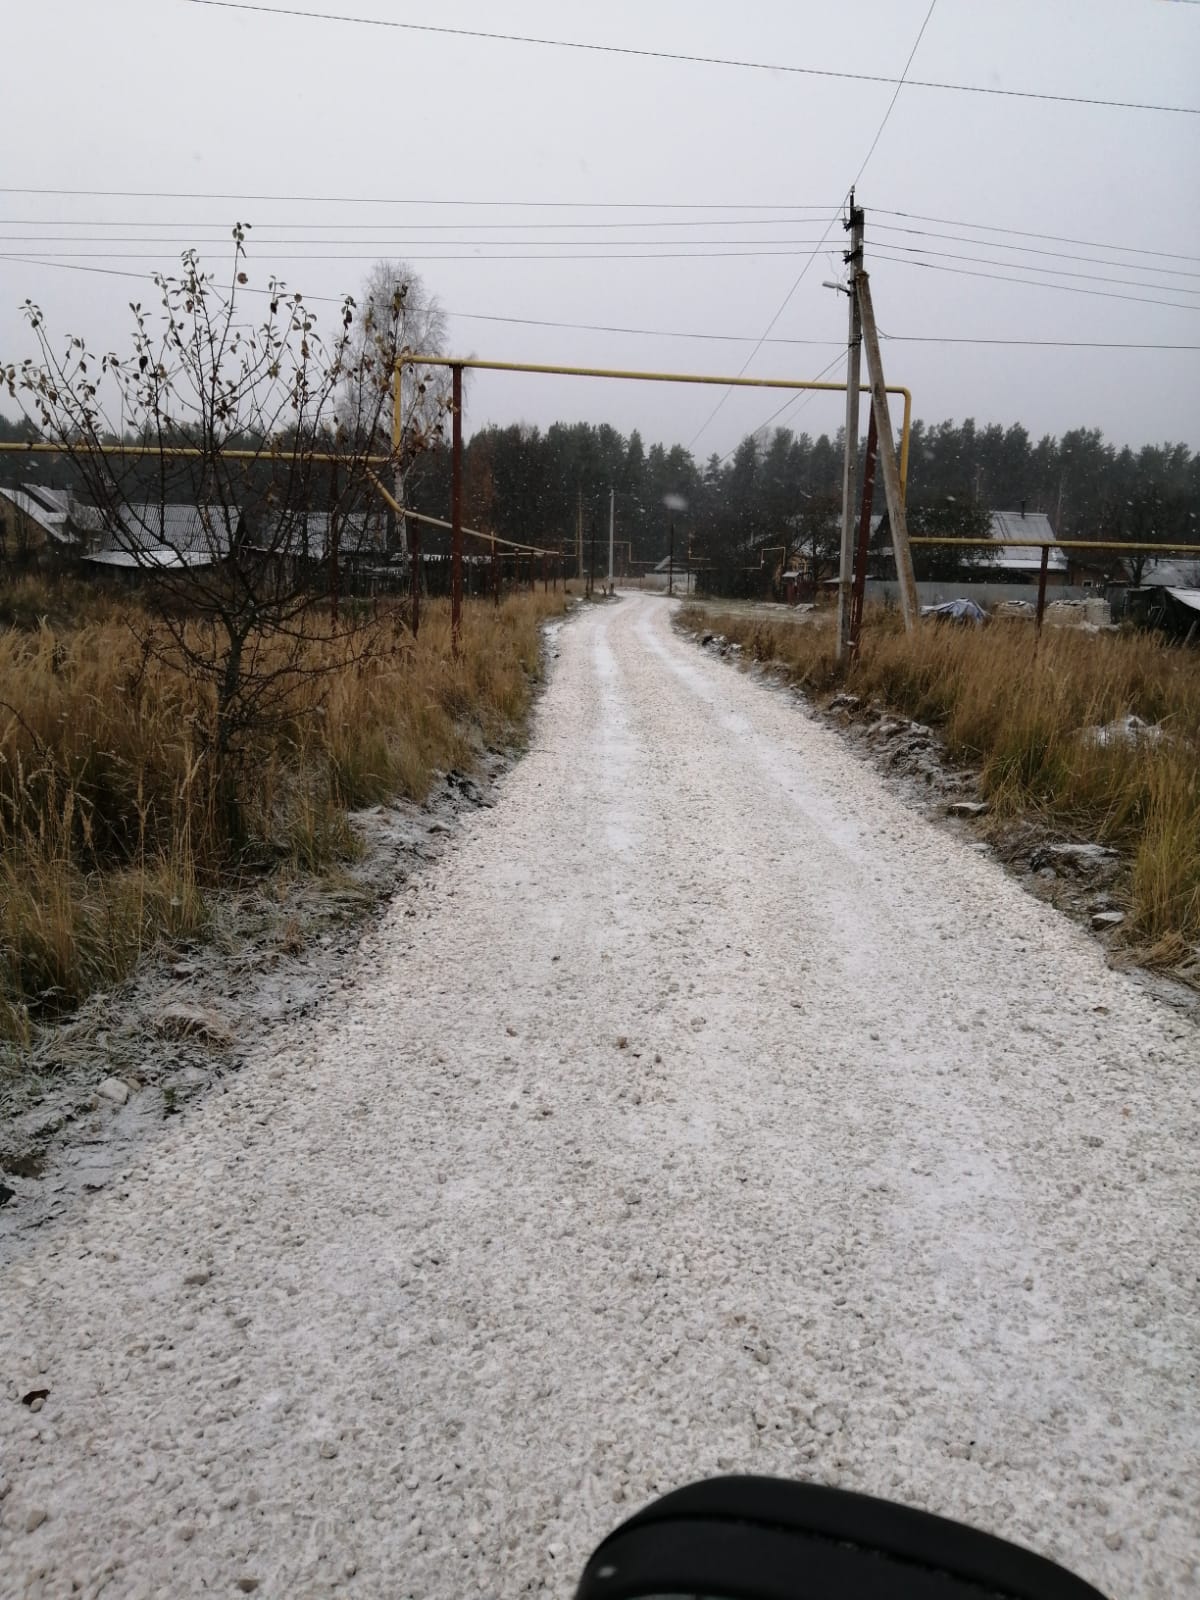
x,y
306,533
1181,574
1008,525
189,530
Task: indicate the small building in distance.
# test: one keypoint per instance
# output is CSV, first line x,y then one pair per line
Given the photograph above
x,y
1017,562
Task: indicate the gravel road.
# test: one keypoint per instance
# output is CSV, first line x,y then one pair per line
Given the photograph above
x,y
703,1109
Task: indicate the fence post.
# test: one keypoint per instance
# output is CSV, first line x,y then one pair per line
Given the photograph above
x,y
1041,603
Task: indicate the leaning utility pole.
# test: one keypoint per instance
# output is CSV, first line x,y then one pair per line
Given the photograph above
x,y
909,606
850,462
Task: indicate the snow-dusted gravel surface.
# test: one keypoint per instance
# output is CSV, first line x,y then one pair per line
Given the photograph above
x,y
703,1109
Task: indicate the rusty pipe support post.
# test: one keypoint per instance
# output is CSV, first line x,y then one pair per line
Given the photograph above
x,y
1041,600
456,533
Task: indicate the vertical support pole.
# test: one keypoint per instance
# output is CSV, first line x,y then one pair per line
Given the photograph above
x,y
495,572
456,533
886,447
671,559
850,462
414,573
333,545
1041,603
612,515
545,575
864,539
591,583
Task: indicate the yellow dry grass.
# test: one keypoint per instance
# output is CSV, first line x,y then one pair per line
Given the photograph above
x,y
1021,710
109,825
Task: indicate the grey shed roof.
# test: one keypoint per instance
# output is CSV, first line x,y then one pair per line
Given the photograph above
x,y
307,533
149,534
1008,525
1174,572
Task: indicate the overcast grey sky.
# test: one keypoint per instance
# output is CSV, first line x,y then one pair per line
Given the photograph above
x,y
164,95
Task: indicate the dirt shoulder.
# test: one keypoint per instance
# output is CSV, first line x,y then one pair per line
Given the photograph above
x,y
78,1101
1083,878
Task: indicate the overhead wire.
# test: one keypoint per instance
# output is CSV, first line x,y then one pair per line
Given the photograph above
x,y
613,255
1032,283
681,56
429,200
1027,233
566,245
418,227
849,196
1021,266
892,102
1032,250
799,401
670,333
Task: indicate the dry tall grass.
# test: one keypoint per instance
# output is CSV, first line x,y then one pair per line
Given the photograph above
x,y
109,828
1021,711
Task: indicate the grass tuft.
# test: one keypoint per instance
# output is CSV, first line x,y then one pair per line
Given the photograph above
x,y
109,820
1025,712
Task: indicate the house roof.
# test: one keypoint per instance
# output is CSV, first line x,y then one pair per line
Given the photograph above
x,y
1008,525
1173,572
189,530
307,533
52,523
1186,597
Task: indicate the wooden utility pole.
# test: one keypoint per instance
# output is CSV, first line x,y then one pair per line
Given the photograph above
x,y
909,606
850,462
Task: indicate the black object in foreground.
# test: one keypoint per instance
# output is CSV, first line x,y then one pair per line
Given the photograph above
x,y
770,1539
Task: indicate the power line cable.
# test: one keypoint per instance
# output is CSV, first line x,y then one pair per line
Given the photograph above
x,y
1028,249
380,200
892,102
675,55
423,227
573,205
797,400
694,245
1020,266
669,333
1030,283
1025,233
482,259
804,269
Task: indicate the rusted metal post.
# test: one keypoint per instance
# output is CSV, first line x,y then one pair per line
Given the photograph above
x,y
333,546
1041,605
858,596
414,573
456,534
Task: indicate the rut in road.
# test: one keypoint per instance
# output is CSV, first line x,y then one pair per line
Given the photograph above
x,y
705,1109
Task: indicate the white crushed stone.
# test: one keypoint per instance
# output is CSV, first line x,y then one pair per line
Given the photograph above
x,y
892,1184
